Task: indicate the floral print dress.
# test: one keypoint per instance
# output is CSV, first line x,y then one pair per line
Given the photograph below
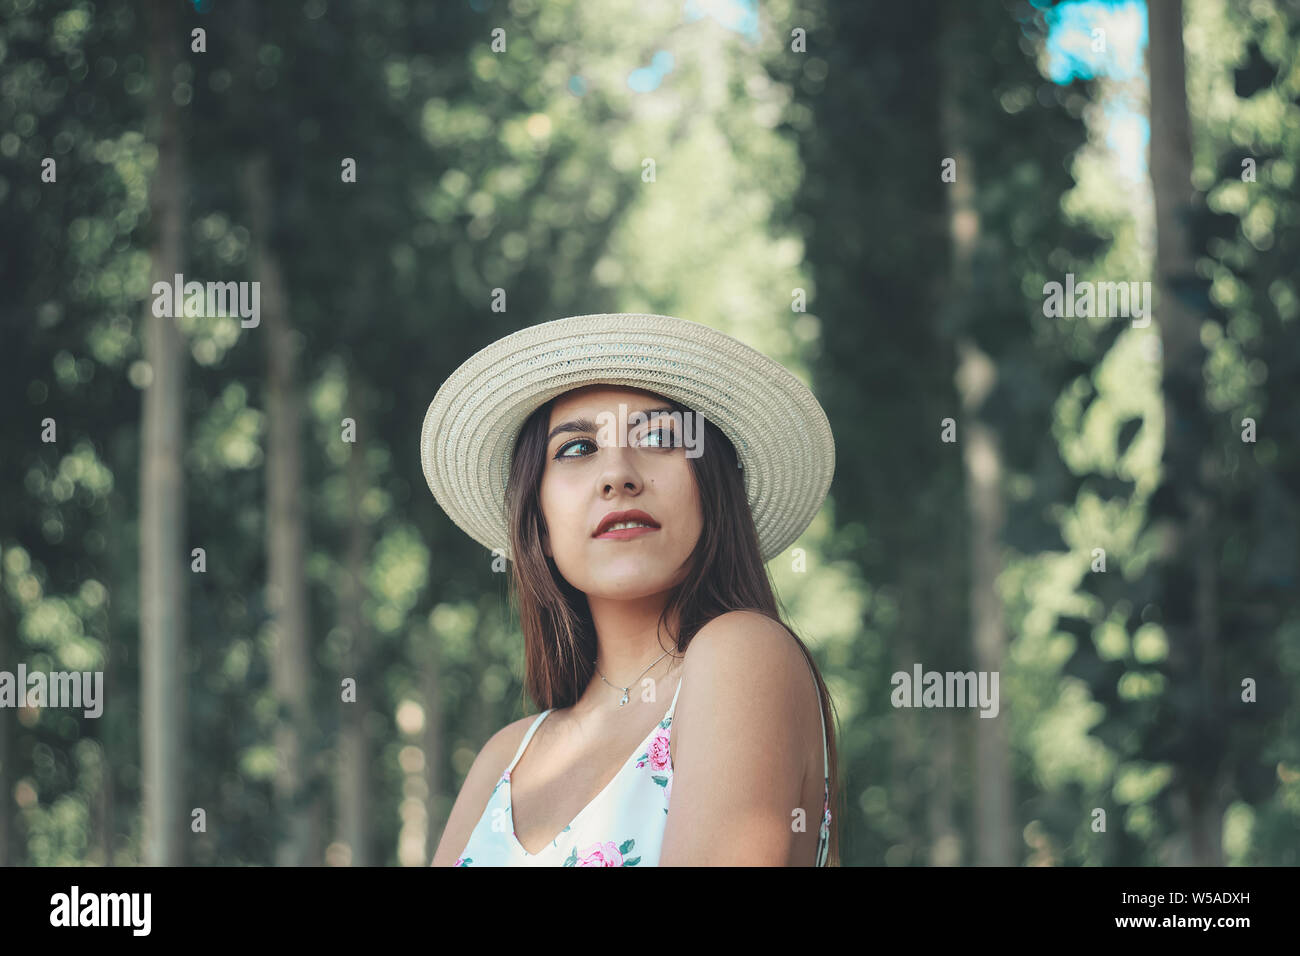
x,y
622,826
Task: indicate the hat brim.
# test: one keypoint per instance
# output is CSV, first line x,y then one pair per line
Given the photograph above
x,y
778,428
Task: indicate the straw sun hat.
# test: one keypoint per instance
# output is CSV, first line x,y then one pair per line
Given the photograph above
x,y
786,449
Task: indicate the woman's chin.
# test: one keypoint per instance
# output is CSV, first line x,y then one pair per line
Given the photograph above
x,y
629,583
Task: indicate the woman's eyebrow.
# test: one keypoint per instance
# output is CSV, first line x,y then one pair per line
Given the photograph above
x,y
586,425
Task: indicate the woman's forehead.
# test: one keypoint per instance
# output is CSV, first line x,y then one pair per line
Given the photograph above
x,y
599,398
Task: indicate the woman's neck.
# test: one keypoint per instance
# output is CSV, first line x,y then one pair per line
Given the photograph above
x,y
631,641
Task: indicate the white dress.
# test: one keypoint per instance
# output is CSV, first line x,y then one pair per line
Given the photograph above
x,y
622,826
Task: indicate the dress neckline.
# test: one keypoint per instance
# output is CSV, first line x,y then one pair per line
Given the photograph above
x,y
510,800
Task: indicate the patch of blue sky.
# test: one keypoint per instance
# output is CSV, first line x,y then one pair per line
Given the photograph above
x,y
647,78
1072,47
1105,38
739,16
1128,133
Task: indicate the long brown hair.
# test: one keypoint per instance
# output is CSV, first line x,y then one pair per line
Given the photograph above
x,y
726,573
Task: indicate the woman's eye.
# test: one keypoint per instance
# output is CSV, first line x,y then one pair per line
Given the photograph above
x,y
564,449
661,437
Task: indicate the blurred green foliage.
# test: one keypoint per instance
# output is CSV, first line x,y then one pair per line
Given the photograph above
x,y
527,171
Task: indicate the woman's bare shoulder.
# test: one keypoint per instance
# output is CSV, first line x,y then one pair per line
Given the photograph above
x,y
484,772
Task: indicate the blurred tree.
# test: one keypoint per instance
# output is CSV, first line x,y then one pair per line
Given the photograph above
x,y
1187,594
163,555
975,377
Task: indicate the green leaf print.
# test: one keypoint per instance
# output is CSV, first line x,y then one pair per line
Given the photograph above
x,y
573,858
625,846
632,862
556,841
659,779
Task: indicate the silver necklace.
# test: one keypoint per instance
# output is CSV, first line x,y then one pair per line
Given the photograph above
x,y
625,689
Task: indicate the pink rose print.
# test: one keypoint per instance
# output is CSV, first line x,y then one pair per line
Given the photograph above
x,y
505,778
659,754
601,854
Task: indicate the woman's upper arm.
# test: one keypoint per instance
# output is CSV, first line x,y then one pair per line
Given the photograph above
x,y
740,761
475,791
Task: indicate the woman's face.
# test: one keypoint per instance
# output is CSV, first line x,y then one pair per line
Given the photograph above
x,y
597,465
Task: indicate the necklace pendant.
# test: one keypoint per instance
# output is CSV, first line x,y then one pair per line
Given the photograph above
x,y
624,700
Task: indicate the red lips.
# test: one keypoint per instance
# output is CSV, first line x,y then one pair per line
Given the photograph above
x,y
614,517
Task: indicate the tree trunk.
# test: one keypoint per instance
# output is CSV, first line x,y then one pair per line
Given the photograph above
x,y
1187,585
982,460
945,842
101,844
163,559
285,540
983,463
354,770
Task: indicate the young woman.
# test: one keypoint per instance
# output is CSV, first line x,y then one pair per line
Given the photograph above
x,y
637,470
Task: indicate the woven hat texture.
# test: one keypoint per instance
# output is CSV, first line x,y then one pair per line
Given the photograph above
x,y
778,428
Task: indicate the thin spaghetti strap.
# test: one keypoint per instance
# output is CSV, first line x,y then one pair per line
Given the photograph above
x,y
527,737
824,831
673,707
